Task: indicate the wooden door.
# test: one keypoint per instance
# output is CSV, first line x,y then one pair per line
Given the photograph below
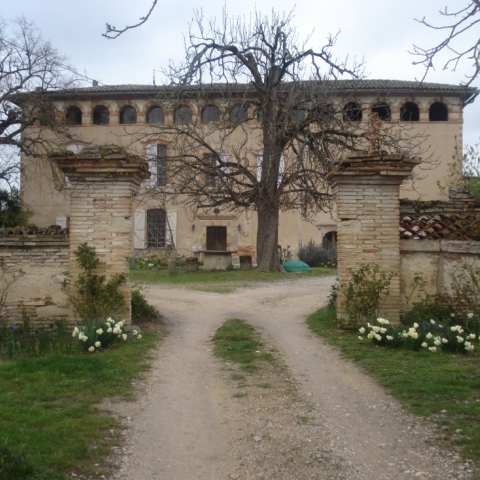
x,y
217,238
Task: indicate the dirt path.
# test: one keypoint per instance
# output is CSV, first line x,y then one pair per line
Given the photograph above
x,y
188,425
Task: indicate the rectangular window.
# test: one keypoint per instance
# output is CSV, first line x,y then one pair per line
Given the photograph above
x,y
156,228
210,163
157,164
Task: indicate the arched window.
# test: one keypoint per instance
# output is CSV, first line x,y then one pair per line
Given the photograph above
x,y
128,115
156,228
438,112
352,112
73,116
210,114
238,114
382,110
156,115
329,240
409,112
183,115
101,115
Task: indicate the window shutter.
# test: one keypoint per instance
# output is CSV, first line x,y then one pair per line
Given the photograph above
x,y
139,229
172,228
259,166
151,157
225,170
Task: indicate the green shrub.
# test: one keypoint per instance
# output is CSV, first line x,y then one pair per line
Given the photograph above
x,y
366,293
316,255
140,306
94,298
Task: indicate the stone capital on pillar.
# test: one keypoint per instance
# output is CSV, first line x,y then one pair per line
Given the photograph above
x,y
367,191
103,182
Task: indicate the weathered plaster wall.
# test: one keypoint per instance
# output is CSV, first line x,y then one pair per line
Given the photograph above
x,y
436,261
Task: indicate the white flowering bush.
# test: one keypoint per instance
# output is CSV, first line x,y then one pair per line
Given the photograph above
x,y
430,335
97,334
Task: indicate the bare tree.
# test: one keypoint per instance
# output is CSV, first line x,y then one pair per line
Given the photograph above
x,y
457,24
112,32
276,134
29,66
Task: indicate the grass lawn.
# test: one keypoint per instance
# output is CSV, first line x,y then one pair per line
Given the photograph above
x,y
50,421
442,387
181,276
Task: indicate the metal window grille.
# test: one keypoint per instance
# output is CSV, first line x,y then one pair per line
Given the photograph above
x,y
156,228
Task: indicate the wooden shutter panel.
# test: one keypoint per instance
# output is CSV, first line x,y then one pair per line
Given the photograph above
x,y
139,229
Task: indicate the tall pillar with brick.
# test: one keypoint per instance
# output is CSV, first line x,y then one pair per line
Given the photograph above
x,y
367,188
103,184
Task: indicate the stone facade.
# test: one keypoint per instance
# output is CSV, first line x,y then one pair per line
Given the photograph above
x,y
190,232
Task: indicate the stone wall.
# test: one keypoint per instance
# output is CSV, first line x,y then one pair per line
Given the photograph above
x,y
38,294
436,261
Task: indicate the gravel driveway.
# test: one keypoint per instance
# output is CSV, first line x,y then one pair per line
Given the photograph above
x,y
190,424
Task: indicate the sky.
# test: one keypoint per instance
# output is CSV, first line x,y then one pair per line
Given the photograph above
x,y
378,31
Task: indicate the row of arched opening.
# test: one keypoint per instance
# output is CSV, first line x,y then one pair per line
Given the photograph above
x,y
409,112
352,111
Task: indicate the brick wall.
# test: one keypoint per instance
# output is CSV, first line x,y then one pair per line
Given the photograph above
x,y
45,261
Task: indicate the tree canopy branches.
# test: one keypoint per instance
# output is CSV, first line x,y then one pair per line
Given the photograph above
x,y
459,22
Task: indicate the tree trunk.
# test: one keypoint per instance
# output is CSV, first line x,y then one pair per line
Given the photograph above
x,y
267,238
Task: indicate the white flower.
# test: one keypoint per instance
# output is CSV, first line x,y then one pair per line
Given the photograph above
x,y
98,344
120,324
444,340
124,336
452,315
470,315
91,349
460,339
432,321
454,329
371,334
404,334
139,336
469,347
415,325
134,332
440,325
386,322
432,349
381,321
429,335
378,337
109,330
83,337
389,337
110,320
424,344
383,330
368,325
361,330
437,342
75,332
359,337
99,331
472,336
376,329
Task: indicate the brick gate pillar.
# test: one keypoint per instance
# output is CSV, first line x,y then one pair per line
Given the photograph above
x,y
103,183
366,189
